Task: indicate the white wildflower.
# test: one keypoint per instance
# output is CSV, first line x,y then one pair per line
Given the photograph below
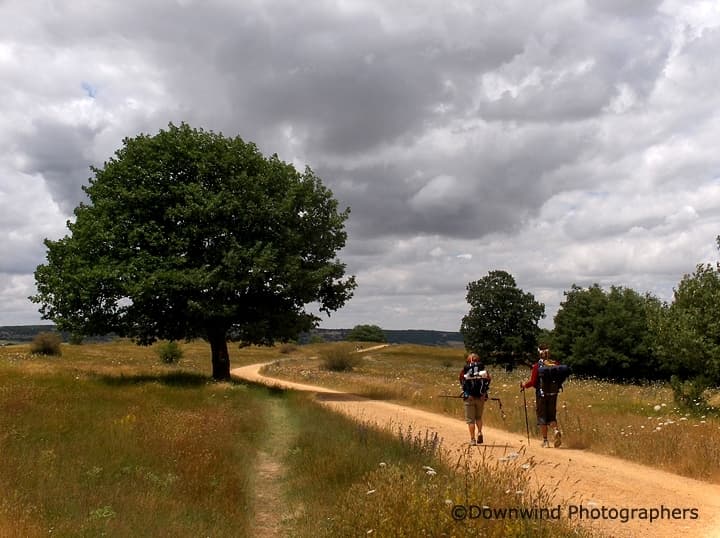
x,y
657,408
370,492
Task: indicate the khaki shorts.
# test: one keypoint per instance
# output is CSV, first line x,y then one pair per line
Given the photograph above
x,y
546,409
474,408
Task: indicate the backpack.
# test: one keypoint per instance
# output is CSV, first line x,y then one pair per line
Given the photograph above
x,y
475,382
551,376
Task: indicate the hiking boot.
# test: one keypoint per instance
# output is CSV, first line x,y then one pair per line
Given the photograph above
x,y
545,443
557,438
480,439
472,442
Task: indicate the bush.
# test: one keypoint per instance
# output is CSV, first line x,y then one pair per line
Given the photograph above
x,y
46,343
76,339
287,348
169,352
366,333
339,359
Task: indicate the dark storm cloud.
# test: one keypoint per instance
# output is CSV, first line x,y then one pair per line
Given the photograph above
x,y
61,154
563,141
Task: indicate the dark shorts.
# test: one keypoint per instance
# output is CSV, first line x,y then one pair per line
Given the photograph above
x,y
546,409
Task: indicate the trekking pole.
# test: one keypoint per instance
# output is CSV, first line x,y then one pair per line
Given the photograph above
x,y
502,412
527,425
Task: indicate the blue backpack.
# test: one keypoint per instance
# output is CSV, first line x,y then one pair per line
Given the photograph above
x,y
551,377
475,382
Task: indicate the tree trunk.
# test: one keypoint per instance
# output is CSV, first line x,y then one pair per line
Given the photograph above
x,y
219,351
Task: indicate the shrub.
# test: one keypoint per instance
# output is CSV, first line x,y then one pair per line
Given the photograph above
x,y
287,348
46,343
169,352
366,333
339,359
76,339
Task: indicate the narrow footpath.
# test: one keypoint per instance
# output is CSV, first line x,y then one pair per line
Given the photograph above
x,y
269,477
584,480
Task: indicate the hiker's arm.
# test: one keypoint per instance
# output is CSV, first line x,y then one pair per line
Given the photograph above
x,y
533,378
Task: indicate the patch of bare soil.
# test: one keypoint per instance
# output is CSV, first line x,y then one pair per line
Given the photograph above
x,y
606,494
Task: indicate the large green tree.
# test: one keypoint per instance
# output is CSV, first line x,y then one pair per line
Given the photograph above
x,y
502,323
189,234
606,334
687,331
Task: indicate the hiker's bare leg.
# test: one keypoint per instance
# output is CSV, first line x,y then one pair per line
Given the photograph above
x,y
543,430
471,429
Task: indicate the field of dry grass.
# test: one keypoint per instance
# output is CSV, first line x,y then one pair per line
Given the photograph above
x,y
106,440
636,422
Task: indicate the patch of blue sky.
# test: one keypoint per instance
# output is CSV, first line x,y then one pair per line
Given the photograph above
x,y
90,90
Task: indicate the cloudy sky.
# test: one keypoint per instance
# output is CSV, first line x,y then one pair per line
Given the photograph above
x,y
564,142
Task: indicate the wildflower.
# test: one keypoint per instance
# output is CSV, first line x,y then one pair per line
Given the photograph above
x,y
370,492
525,466
383,464
657,408
448,502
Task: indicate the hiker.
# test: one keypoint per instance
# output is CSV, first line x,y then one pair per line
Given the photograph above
x,y
475,382
545,401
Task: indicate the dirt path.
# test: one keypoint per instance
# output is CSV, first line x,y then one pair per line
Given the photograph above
x,y
269,476
591,482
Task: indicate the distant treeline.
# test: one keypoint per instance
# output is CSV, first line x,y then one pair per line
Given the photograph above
x,y
25,333
408,336
19,334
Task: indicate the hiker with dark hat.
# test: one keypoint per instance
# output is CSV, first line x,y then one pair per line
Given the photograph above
x,y
545,399
475,382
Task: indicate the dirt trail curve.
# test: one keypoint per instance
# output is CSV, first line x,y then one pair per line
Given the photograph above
x,y
590,480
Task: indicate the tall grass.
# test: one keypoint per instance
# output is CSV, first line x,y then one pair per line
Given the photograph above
x,y
138,452
635,422
353,479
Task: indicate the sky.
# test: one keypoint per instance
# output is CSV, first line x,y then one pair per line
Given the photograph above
x,y
565,142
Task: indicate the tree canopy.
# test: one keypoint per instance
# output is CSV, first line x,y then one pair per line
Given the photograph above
x,y
687,331
366,333
502,323
188,234
606,334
